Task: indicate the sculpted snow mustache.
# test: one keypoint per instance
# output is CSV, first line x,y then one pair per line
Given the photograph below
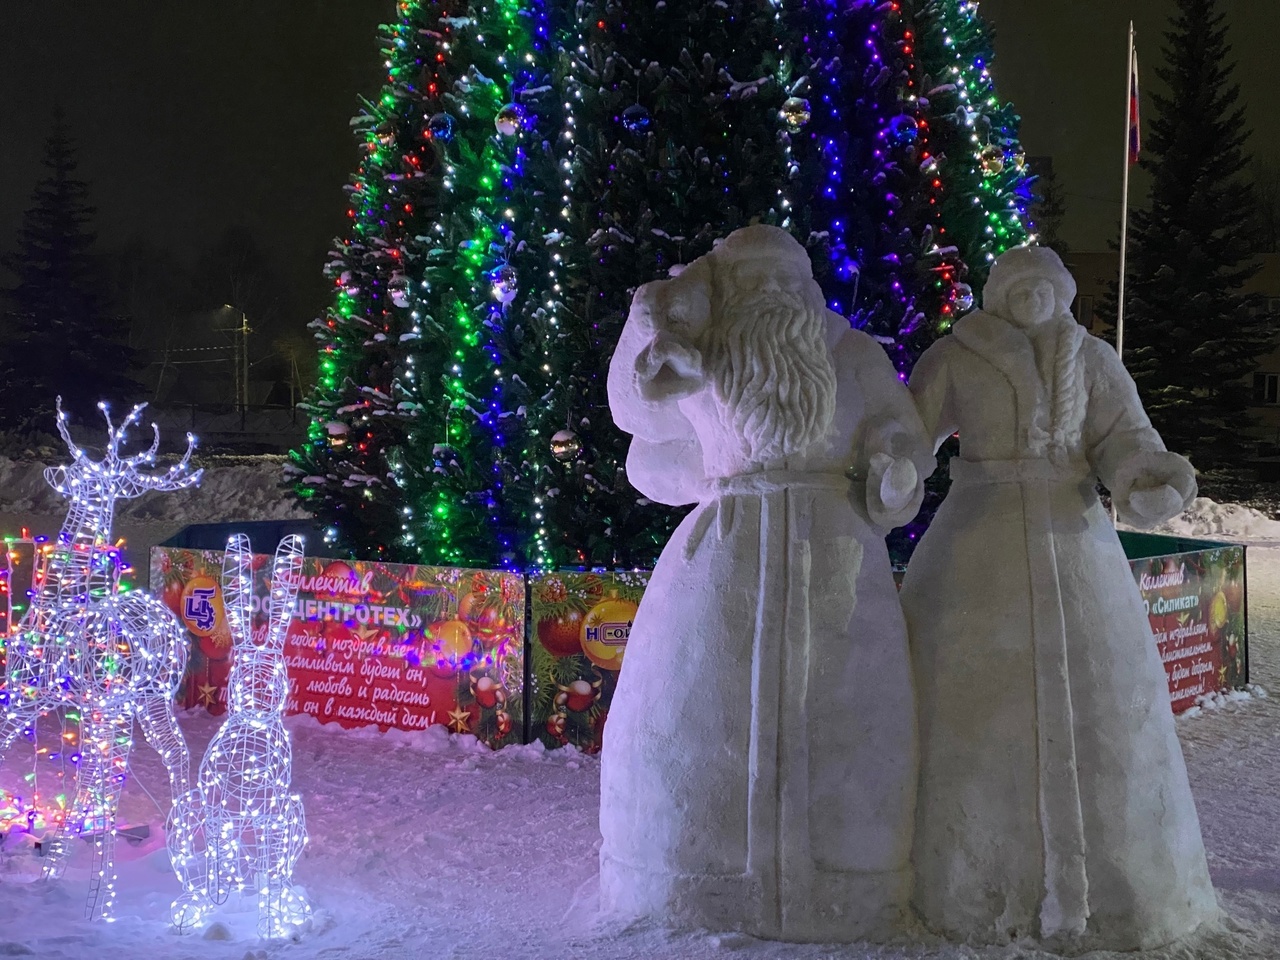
x,y
772,372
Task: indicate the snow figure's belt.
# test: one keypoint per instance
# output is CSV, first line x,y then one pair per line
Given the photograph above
x,y
1017,471
1065,906
772,481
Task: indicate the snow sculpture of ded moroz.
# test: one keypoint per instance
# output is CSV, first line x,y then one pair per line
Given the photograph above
x,y
1053,794
759,770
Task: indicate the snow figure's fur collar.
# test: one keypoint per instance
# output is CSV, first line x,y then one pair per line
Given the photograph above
x,y
1050,402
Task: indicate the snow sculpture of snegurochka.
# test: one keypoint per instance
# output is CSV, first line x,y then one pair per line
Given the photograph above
x,y
759,773
1053,798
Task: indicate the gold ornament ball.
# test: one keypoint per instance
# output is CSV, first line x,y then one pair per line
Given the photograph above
x,y
565,445
795,113
1020,161
448,642
992,160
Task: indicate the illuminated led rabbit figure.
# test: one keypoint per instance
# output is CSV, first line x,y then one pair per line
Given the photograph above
x,y
84,644
240,827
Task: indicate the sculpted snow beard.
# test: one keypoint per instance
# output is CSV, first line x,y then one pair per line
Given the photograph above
x,y
772,371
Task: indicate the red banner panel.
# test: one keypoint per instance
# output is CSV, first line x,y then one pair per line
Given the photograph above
x,y
1196,603
370,643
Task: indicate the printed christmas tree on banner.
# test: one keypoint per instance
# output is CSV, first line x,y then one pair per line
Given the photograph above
x,y
417,447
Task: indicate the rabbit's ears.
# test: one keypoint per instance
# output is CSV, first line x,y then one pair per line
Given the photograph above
x,y
237,588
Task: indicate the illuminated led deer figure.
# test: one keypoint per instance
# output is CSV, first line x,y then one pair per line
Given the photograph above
x,y
115,656
241,827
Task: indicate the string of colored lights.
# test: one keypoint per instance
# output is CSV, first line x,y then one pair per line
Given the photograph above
x,y
872,200
36,806
441,279
366,406
84,644
986,173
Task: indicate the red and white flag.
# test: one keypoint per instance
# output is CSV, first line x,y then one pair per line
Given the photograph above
x,y
1135,121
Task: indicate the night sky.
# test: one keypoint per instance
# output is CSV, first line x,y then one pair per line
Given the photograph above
x,y
193,117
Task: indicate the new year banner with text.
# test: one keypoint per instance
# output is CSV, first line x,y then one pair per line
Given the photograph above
x,y
369,643
1196,605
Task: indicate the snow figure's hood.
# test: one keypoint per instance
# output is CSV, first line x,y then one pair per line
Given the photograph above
x,y
1021,263
1050,403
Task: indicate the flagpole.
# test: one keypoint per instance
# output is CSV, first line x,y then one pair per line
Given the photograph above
x,y
1124,193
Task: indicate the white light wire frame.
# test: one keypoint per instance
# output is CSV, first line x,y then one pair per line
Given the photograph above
x,y
85,645
241,827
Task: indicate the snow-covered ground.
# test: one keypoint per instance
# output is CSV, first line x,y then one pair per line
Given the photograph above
x,y
427,846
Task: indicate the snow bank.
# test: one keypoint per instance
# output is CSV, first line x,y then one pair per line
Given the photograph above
x,y
437,739
233,488
1209,702
1221,521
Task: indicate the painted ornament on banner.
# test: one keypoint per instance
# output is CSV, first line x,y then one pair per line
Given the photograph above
x,y
582,626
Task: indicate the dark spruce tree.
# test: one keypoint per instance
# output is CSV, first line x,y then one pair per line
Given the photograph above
x,y
1191,336
62,341
1050,208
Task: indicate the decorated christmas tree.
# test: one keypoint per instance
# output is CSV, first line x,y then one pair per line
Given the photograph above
x,y
417,442
983,188
505,214
982,167
863,193
674,126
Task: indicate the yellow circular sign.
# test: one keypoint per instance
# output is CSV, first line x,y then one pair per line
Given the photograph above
x,y
605,631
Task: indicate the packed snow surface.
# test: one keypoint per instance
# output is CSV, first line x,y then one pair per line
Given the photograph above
x,y
1208,520
425,845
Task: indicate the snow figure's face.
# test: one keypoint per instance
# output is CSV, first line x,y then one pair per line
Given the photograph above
x,y
768,356
1031,302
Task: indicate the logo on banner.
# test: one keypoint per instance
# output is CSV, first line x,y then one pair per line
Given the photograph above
x,y
614,634
202,609
198,609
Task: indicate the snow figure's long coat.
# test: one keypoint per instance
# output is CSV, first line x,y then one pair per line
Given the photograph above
x,y
758,772
1053,794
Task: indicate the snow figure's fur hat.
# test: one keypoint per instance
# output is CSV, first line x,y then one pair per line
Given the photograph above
x,y
685,301
761,242
1020,263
